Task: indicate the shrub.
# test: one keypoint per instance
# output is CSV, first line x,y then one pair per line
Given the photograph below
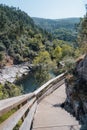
x,y
18,59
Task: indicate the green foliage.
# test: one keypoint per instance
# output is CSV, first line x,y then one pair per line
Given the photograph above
x,y
6,91
5,116
35,44
42,58
1,56
20,38
58,53
67,50
65,34
63,29
9,90
43,62
18,125
82,37
18,59
50,24
2,47
69,64
83,28
77,52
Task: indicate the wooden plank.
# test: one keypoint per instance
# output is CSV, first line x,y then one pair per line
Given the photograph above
x,y
50,90
28,120
48,83
10,103
11,122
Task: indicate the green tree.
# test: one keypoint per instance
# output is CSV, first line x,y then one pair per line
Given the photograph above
x,y
58,53
82,37
9,90
67,50
2,20
1,56
43,63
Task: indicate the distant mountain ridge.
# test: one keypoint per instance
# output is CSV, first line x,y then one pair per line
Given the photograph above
x,y
63,29
68,23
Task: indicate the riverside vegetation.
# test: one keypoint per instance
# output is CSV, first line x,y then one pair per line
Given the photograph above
x,y
21,40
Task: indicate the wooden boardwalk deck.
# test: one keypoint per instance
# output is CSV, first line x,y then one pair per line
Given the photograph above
x,y
50,116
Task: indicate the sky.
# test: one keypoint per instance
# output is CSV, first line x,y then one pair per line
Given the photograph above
x,y
51,9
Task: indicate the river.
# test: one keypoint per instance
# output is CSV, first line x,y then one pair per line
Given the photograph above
x,y
29,83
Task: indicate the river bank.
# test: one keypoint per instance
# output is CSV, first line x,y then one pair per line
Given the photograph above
x,y
14,72
21,75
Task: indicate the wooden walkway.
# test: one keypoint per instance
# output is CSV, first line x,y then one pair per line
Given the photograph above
x,y
50,116
47,115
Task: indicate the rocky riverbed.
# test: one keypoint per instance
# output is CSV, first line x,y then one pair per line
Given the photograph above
x,y
12,73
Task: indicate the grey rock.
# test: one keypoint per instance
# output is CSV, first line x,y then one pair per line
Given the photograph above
x,y
85,106
81,68
76,92
11,73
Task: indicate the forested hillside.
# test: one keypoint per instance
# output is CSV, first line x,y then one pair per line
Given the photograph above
x,y
20,38
63,29
23,41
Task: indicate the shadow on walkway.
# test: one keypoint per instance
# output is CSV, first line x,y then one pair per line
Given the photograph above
x,y
57,105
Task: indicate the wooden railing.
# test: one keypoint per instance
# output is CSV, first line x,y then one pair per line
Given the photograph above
x,y
25,105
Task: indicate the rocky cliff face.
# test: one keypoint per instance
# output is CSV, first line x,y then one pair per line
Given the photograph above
x,y
81,68
76,90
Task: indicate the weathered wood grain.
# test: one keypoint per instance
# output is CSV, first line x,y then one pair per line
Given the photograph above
x,y
28,120
11,122
10,103
49,90
27,102
48,83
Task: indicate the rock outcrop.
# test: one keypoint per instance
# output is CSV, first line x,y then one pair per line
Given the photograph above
x,y
14,72
76,90
81,68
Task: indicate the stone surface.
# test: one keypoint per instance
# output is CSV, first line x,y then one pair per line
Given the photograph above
x,y
85,106
11,73
76,90
50,116
81,68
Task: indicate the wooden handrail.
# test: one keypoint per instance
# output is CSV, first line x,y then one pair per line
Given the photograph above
x,y
10,103
27,103
10,123
49,87
48,83
28,120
